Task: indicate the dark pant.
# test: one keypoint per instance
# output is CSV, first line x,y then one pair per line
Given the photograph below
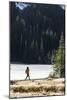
x,y
27,77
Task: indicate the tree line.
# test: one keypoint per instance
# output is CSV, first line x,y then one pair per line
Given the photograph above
x,y
35,33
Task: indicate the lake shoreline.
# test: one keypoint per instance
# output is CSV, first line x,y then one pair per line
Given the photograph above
x,y
17,72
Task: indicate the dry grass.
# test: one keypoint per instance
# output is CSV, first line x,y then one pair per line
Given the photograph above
x,y
37,87
22,89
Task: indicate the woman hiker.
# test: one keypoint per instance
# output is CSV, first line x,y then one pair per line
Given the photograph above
x,y
27,73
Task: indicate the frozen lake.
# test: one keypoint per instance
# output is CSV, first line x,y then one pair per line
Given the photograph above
x,y
17,71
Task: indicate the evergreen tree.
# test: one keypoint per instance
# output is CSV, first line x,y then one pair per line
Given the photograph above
x,y
49,57
59,67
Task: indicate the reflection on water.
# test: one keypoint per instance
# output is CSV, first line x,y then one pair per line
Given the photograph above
x,y
17,71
